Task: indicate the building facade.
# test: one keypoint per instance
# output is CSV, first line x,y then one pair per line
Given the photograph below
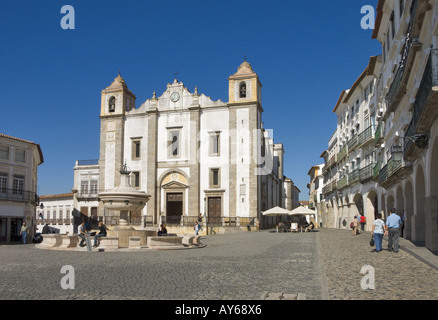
x,y
19,161
390,164
191,154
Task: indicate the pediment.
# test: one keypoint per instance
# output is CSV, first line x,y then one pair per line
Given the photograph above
x,y
174,185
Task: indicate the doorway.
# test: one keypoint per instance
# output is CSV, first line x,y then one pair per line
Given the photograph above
x,y
16,224
3,229
174,207
214,210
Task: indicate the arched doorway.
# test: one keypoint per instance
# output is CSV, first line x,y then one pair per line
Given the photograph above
x,y
433,200
420,221
390,204
174,187
409,210
371,206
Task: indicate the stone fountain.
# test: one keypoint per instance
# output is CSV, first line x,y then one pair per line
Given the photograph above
x,y
125,198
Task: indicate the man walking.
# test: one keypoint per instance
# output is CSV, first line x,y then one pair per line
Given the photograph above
x,y
81,234
392,228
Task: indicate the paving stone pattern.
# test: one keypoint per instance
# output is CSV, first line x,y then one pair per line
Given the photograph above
x,y
398,276
236,266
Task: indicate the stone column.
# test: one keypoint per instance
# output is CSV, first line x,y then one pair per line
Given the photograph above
x,y
152,164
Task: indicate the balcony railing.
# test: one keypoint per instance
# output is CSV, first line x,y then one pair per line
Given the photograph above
x,y
400,80
18,195
378,135
424,108
376,170
343,182
365,136
353,176
366,173
342,153
352,143
91,162
393,171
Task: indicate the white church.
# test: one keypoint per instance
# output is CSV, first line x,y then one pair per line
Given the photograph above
x,y
191,154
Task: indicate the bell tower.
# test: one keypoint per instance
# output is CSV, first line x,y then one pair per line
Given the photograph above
x,y
244,85
116,101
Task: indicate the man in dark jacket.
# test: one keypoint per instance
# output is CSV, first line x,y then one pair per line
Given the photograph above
x,y
102,233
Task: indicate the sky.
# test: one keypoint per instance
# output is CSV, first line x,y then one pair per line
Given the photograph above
x,y
304,52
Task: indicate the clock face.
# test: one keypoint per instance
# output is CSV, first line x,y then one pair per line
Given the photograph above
x,y
174,97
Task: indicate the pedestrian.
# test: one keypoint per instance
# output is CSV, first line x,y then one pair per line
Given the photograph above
x,y
362,222
200,218
197,228
102,233
81,234
355,224
23,232
378,231
392,228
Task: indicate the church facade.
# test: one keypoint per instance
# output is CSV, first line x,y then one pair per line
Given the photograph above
x,y
193,155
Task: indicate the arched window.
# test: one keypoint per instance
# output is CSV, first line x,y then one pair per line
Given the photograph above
x,y
112,104
242,90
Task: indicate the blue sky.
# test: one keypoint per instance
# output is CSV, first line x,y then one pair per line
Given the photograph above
x,y
305,53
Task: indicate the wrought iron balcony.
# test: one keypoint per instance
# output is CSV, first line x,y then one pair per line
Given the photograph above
x,y
366,173
341,154
343,182
353,176
365,136
396,90
352,143
392,172
378,136
376,170
424,109
18,195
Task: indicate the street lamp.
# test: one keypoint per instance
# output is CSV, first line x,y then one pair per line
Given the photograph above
x,y
420,140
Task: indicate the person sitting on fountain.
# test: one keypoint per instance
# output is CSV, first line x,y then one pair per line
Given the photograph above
x,y
162,231
102,233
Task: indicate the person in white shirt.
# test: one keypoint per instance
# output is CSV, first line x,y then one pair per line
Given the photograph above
x,y
378,232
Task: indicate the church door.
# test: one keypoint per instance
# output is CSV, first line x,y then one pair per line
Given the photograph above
x,y
174,208
214,210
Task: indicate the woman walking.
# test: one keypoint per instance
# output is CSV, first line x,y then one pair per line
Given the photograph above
x,y
378,232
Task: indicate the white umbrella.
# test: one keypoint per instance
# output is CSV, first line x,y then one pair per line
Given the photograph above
x,y
302,210
277,211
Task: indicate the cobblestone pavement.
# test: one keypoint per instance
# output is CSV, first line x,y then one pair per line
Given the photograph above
x,y
398,276
236,266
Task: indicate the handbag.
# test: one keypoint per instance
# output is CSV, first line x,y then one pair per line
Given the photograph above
x,y
372,241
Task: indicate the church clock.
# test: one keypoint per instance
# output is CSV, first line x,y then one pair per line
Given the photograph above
x,y
174,97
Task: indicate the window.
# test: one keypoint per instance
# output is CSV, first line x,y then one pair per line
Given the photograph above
x,y
61,214
84,187
365,94
214,178
371,87
3,182
135,179
214,144
4,152
136,148
93,187
242,90
112,104
173,148
18,185
20,155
